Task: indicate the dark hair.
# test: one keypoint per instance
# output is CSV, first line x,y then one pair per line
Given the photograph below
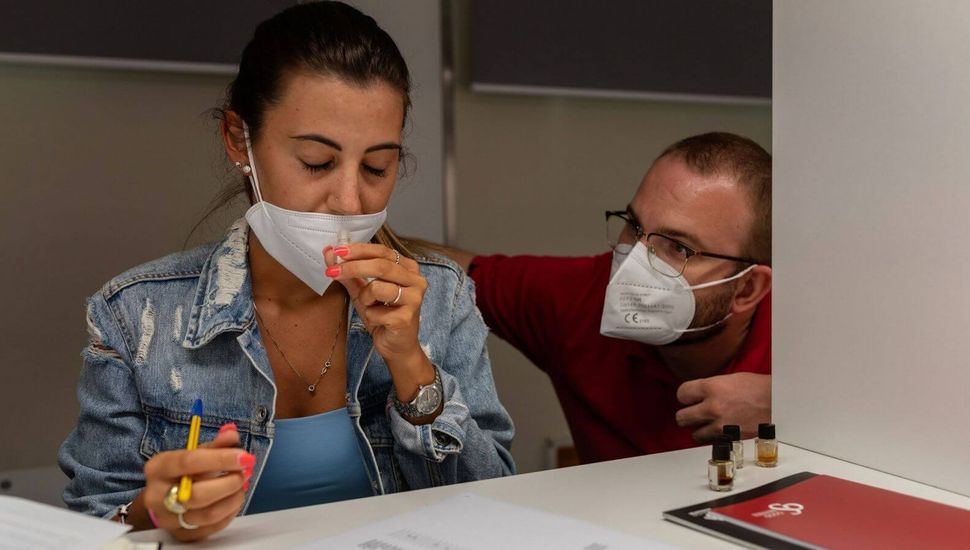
x,y
320,38
749,163
326,38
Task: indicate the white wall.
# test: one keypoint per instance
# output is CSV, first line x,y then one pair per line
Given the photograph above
x,y
872,269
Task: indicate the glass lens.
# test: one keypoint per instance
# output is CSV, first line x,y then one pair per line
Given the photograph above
x,y
619,232
671,255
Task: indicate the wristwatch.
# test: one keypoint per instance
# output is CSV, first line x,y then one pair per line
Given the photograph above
x,y
427,400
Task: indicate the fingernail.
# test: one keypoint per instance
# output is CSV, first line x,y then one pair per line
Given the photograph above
x,y
228,426
151,516
247,461
327,249
341,251
248,473
333,271
246,485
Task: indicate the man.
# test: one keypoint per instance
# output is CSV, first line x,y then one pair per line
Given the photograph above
x,y
657,345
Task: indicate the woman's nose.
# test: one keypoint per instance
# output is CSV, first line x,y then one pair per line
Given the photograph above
x,y
344,197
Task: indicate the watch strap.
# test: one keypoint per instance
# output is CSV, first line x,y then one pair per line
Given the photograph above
x,y
410,409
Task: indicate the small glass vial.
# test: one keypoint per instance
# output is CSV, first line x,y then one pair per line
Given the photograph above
x,y
720,468
767,446
737,446
343,239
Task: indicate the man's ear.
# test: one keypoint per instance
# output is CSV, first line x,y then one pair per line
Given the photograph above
x,y
751,289
233,138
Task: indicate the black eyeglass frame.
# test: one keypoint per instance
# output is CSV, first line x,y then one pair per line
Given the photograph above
x,y
638,231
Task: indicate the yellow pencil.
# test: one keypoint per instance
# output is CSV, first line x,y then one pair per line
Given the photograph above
x,y
195,426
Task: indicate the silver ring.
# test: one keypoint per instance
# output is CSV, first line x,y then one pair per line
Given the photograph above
x,y
171,501
186,525
397,257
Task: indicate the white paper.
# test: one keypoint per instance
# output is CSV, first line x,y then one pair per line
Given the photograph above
x,y
473,522
25,524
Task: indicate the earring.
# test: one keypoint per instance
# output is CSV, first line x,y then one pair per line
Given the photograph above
x,y
245,169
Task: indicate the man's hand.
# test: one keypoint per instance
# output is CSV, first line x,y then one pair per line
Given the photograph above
x,y
741,398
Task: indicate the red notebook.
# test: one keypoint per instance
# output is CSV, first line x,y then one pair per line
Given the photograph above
x,y
818,511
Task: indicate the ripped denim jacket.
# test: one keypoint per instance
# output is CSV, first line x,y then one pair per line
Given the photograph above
x,y
182,327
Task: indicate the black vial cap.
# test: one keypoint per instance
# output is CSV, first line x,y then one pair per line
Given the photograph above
x,y
721,450
734,431
766,431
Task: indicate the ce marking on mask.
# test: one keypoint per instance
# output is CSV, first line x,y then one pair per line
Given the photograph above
x,y
634,319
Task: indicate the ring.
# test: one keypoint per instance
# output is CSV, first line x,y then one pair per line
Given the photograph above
x,y
171,501
397,257
186,525
400,290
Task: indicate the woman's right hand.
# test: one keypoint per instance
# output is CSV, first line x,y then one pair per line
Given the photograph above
x,y
220,473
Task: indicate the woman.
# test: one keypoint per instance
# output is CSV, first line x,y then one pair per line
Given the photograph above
x,y
312,391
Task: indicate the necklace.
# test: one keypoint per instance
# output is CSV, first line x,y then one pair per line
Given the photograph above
x,y
326,364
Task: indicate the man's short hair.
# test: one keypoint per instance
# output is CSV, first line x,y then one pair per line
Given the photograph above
x,y
749,163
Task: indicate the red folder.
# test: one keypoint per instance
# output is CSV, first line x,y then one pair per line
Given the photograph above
x,y
819,511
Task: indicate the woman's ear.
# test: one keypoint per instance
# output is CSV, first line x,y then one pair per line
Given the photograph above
x,y
752,289
234,138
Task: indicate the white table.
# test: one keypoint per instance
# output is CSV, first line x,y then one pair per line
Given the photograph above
x,y
626,495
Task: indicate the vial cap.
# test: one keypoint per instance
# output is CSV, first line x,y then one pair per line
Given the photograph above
x,y
721,450
734,431
766,431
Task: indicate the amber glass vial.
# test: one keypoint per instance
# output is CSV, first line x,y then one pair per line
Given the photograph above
x,y
767,446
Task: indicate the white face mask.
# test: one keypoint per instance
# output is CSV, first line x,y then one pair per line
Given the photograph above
x,y
646,306
297,239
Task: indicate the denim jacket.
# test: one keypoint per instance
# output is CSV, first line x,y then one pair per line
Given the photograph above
x,y
182,327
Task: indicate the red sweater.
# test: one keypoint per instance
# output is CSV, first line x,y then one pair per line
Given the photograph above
x,y
618,398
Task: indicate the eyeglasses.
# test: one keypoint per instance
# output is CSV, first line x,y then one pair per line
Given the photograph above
x,y
623,232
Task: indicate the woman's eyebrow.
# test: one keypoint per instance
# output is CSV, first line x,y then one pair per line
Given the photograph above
x,y
319,139
382,146
331,143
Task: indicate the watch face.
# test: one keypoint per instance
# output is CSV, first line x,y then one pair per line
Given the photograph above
x,y
428,400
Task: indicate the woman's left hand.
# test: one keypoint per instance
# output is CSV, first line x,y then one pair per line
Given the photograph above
x,y
390,306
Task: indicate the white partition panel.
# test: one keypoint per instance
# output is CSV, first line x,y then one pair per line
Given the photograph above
x,y
872,219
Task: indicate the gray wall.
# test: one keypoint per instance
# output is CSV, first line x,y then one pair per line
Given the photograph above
x,y
534,175
100,171
872,130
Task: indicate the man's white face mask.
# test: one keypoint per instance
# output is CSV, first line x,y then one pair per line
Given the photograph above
x,y
297,239
648,307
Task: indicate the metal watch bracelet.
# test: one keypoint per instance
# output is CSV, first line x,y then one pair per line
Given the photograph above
x,y
411,409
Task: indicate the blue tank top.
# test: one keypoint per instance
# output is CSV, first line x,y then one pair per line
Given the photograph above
x,y
314,459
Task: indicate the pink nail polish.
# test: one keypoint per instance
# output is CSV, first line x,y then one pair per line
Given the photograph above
x,y
247,461
327,249
228,426
151,516
333,271
341,251
246,485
